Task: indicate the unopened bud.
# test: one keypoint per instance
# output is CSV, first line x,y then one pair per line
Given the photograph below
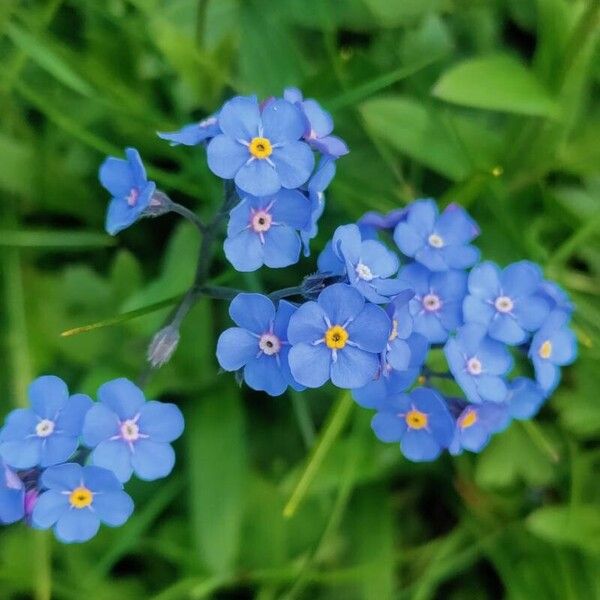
x,y
160,204
163,345
313,285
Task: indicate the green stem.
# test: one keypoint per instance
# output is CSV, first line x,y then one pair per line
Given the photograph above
x,y
187,214
305,422
540,440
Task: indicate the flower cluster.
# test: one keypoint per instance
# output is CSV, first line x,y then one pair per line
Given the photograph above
x,y
64,459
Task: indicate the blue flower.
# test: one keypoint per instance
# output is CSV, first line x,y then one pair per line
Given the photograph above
x,y
368,264
436,307
478,363
525,398
261,151
47,433
12,495
438,242
476,424
420,421
552,347
372,222
264,230
338,337
318,125
556,297
259,344
128,434
78,499
194,133
129,187
387,383
506,302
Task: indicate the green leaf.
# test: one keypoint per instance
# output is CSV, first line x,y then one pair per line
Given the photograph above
x,y
54,240
496,82
392,14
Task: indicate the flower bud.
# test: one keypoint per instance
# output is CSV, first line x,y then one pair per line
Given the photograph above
x,y
160,204
163,345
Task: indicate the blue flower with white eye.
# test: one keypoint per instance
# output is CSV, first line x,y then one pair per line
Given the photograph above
x,y
47,433
525,398
556,297
318,125
194,133
129,435
12,495
368,264
387,383
478,363
506,302
265,230
436,307
338,337
129,187
439,242
77,500
552,347
259,343
262,152
476,424
372,222
420,421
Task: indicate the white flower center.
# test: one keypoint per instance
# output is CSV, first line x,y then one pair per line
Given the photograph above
x,y
269,344
474,366
130,431
431,302
134,194
503,304
435,240
44,428
364,272
261,221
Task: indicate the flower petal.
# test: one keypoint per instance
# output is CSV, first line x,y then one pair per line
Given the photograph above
x,y
22,454
226,156
291,208
113,508
48,395
122,396
64,478
162,421
282,122
100,423
77,525
258,177
388,427
254,312
152,460
294,163
309,364
116,177
419,446
263,374
71,418
244,251
115,456
56,449
354,368
341,302
307,324
48,509
240,117
370,329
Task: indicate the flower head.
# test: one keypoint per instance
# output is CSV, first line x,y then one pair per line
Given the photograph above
x,y
128,434
12,495
194,133
525,398
47,433
78,499
476,424
478,363
552,347
506,302
439,242
129,187
338,337
265,230
420,421
259,344
261,151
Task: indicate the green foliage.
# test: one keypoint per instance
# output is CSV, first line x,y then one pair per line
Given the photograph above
x,y
493,104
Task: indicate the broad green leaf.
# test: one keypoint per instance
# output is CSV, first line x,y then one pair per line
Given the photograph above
x,y
392,14
496,82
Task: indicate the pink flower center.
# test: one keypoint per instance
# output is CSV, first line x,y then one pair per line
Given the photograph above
x,y
269,344
261,221
474,366
134,194
431,302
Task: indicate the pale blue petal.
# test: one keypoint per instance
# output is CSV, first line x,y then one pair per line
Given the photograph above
x,y
152,460
291,208
477,310
235,348
282,122
310,365
253,312
162,421
321,122
71,418
564,347
505,328
491,388
282,247
307,324
531,312
240,118
419,446
226,156
341,302
432,258
122,396
354,368
422,215
98,479
22,454
370,329
48,395
520,279
77,525
114,455
116,177
56,449
48,509
388,427
63,478
100,423
294,163
258,177
113,508
263,374
244,251
409,240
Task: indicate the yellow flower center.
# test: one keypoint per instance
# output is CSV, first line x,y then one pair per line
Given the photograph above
x,y
336,337
468,419
260,147
546,349
81,497
394,333
416,419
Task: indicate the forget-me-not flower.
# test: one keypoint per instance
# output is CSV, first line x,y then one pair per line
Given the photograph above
x,y
478,363
47,433
476,424
439,242
129,435
265,230
338,337
525,398
129,187
388,382
261,151
556,297
78,499
420,421
193,133
12,495
259,343
506,302
372,222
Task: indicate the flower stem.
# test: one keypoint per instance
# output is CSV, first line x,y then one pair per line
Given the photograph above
x,y
286,293
188,214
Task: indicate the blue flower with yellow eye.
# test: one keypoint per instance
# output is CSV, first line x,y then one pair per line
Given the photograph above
x,y
261,151
553,346
439,242
266,230
420,421
436,307
129,435
338,337
478,363
476,424
525,398
259,343
77,499
47,433
129,187
194,133
507,302
12,495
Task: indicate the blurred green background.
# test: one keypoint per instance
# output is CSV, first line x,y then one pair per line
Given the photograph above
x,y
493,104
